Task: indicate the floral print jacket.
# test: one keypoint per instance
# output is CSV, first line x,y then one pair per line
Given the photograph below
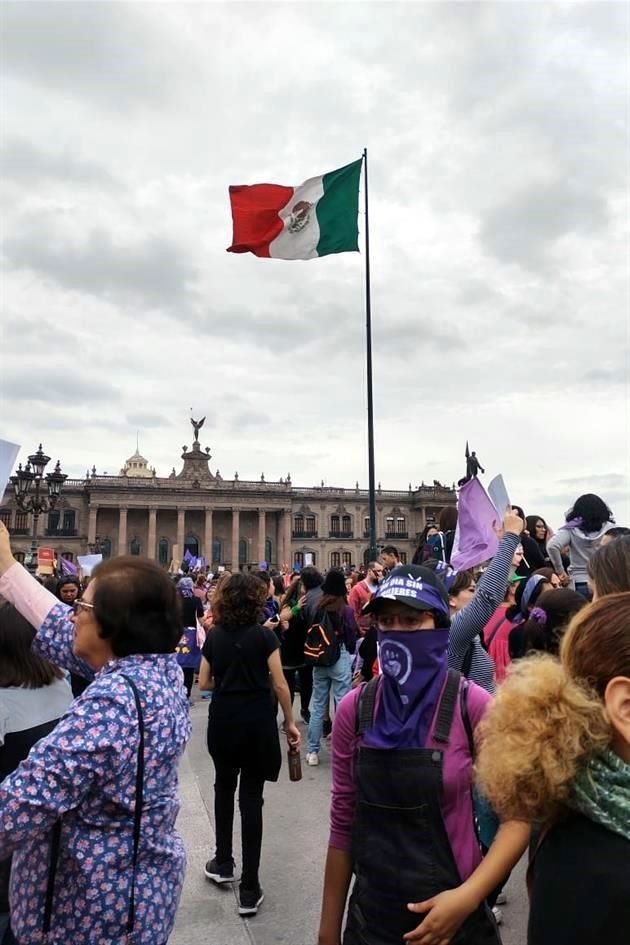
x,y
84,773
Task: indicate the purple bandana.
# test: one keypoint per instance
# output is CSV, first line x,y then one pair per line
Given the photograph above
x,y
414,667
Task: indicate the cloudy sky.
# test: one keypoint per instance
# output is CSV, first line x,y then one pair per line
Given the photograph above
x,y
497,136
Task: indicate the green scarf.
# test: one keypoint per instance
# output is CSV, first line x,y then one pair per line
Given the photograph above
x,y
601,791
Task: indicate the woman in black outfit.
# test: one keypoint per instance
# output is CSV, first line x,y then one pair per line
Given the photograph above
x,y
293,635
188,651
241,662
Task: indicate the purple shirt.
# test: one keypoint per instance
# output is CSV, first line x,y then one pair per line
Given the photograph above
x,y
456,801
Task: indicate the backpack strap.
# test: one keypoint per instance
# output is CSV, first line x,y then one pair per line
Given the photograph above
x,y
446,708
137,811
468,660
463,708
365,705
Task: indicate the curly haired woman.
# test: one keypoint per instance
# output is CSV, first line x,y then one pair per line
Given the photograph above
x,y
556,753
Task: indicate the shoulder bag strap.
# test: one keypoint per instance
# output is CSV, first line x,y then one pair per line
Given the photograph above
x,y
55,845
446,708
137,813
366,704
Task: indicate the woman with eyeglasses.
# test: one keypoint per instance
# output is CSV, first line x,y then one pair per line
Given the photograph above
x,y
89,816
401,815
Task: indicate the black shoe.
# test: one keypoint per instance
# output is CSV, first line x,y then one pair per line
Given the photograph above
x,y
306,716
326,728
249,900
220,873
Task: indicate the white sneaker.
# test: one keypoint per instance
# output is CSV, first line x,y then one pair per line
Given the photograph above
x,y
312,758
498,915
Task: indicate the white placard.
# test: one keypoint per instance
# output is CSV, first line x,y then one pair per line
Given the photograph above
x,y
499,495
87,563
8,455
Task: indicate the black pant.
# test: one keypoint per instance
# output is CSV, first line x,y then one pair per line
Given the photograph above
x,y
189,678
250,801
305,674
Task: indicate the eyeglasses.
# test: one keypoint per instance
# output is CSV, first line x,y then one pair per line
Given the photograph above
x,y
78,604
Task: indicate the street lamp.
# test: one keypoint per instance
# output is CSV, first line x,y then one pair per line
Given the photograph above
x,y
30,495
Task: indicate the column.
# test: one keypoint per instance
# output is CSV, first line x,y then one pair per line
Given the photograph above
x,y
181,526
285,527
207,541
235,537
151,538
122,531
92,525
262,532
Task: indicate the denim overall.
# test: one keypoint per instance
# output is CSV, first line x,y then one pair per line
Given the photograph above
x,y
400,849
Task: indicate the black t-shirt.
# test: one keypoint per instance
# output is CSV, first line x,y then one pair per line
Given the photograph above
x,y
191,609
238,658
581,886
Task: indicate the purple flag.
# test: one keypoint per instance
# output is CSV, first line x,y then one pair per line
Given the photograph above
x,y
188,557
475,540
67,567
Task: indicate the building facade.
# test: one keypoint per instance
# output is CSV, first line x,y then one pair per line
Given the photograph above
x,y
229,522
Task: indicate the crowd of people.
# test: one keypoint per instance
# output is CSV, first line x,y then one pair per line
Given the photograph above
x,y
468,717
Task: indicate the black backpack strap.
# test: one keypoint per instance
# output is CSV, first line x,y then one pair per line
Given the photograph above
x,y
137,813
55,845
468,660
446,708
365,705
463,707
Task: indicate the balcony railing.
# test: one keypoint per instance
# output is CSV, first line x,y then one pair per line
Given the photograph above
x,y
62,532
304,534
342,536
391,536
19,531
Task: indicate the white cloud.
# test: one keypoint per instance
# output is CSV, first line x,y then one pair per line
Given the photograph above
x,y
499,208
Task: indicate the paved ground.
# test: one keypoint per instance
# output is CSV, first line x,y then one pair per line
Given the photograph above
x,y
294,848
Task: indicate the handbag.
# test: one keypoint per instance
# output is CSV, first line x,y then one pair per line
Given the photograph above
x,y
55,842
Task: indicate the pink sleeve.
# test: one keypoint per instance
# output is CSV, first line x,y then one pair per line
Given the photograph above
x,y
344,745
477,701
27,595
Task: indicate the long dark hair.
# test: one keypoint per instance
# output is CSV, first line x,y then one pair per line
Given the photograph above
x,y
592,510
19,665
543,630
292,594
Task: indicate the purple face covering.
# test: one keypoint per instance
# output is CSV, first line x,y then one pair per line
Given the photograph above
x,y
414,667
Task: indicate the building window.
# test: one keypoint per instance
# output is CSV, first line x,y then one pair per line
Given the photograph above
x,y
163,552
192,545
313,558
389,525
134,547
299,559
335,559
268,550
53,521
216,551
346,559
19,556
67,555
242,551
106,547
21,520
309,524
69,520
401,525
346,524
298,525
5,517
403,557
334,524
366,525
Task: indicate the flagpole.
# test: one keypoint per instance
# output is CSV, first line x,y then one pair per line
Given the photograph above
x,y
373,551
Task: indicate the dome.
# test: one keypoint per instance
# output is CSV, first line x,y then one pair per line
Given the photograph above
x,y
137,467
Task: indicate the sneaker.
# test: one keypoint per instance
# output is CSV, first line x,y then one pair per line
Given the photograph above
x,y
498,914
249,900
312,758
501,899
219,873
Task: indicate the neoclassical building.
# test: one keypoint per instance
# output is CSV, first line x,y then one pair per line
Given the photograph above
x,y
230,522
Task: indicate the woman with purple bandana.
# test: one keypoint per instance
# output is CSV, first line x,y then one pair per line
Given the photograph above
x,y
401,815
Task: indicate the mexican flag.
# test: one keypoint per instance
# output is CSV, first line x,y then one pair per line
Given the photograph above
x,y
314,219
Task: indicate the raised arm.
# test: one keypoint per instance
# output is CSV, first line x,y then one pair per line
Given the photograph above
x,y
471,619
51,618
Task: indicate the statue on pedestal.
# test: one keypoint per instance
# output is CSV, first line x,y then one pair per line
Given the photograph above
x,y
473,466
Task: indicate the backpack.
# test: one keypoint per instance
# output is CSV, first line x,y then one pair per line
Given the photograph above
x,y
321,644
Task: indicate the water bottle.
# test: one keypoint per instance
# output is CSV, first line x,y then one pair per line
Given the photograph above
x,y
295,764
